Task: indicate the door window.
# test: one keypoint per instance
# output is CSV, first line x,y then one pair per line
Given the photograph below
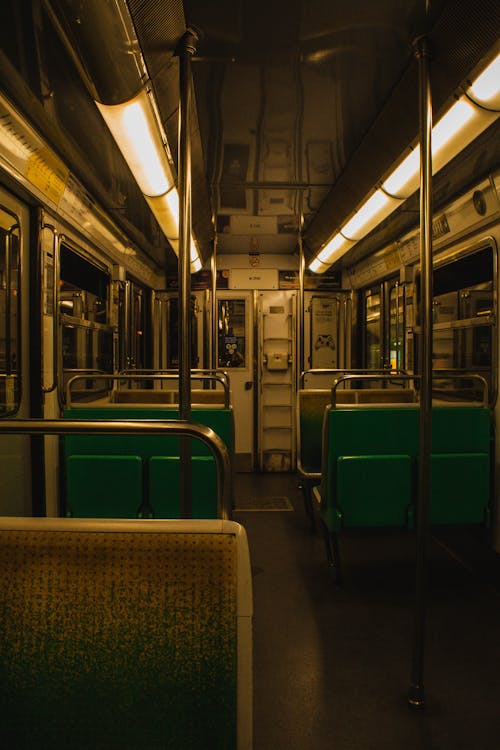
x,y
373,330
10,388
231,345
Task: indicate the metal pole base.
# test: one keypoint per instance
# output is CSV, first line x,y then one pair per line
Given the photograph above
x,y
416,697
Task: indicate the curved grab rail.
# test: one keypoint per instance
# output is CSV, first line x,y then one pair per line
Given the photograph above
x,y
194,372
348,371
115,377
88,370
140,427
437,375
445,374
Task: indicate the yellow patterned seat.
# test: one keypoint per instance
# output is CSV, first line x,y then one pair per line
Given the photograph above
x,y
125,634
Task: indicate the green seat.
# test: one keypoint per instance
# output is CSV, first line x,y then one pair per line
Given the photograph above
x,y
460,488
164,486
370,468
104,486
364,496
311,405
151,495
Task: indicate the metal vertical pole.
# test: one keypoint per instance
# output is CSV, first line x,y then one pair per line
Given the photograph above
x,y
127,356
186,50
416,695
214,309
302,264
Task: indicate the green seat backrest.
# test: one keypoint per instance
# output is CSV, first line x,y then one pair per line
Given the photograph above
x,y
123,638
154,488
311,409
371,466
368,458
104,486
219,419
163,473
460,465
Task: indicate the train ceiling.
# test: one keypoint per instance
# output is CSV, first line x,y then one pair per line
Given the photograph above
x,y
301,105
304,104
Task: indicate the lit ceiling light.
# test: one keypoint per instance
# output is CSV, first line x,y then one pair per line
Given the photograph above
x,y
166,210
369,215
451,123
194,254
486,87
196,264
333,250
133,126
317,266
463,122
397,184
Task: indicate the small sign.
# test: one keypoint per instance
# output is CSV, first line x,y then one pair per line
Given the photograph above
x,y
327,281
253,278
289,279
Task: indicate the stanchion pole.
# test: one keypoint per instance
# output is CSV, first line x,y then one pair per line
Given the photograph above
x,y
416,696
186,50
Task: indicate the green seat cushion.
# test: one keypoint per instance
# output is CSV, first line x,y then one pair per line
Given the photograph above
x,y
104,486
164,486
459,488
373,490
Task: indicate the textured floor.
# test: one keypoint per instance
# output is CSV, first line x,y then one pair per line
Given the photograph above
x,y
332,666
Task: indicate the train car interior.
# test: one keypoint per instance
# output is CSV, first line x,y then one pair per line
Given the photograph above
x,y
249,366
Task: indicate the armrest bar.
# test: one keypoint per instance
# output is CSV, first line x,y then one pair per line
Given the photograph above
x,y
139,427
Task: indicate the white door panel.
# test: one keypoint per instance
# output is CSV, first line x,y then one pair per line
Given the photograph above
x,y
277,358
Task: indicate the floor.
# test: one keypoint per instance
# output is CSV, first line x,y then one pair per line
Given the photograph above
x,y
332,665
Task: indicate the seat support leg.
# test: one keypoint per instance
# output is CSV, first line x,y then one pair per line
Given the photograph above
x,y
308,503
332,552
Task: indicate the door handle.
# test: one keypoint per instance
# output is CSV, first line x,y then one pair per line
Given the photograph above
x,y
248,385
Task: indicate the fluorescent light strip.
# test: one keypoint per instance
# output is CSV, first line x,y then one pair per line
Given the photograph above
x,y
331,250
486,87
316,266
458,127
451,123
371,213
404,176
134,127
194,254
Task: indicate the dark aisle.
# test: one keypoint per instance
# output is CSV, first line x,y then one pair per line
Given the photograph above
x,y
331,666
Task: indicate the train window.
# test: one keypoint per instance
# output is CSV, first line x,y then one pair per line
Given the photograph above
x,y
463,319
231,349
83,289
10,388
173,334
86,335
396,326
372,329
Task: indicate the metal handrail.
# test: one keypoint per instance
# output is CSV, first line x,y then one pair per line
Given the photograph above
x,y
195,372
55,308
138,427
348,371
85,369
437,374
217,378
461,375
